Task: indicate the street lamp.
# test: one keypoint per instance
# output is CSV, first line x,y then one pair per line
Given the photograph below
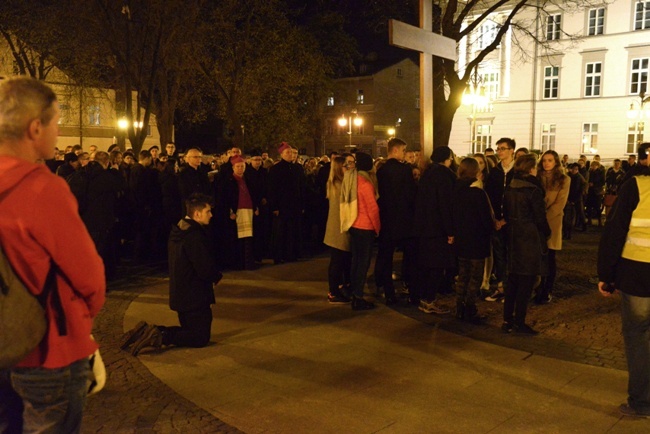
x,y
476,100
638,117
357,121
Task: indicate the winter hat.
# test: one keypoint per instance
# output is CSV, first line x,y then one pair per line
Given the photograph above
x,y
283,146
364,161
236,159
440,154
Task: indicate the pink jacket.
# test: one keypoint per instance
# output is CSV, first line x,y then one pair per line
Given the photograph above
x,y
39,221
368,211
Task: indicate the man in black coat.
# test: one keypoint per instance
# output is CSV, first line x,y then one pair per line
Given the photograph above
x,y
191,179
257,179
147,198
286,202
396,204
495,187
192,276
97,207
433,224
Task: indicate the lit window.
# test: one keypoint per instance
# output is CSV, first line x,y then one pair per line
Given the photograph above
x,y
330,101
592,79
548,137
596,23
551,82
634,136
360,96
589,137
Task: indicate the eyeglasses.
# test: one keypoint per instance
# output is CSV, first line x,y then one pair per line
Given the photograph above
x,y
502,148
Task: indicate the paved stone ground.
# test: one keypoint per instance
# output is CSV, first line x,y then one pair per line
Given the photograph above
x,y
134,400
579,325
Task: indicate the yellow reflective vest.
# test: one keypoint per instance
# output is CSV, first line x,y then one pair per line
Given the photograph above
x,y
637,244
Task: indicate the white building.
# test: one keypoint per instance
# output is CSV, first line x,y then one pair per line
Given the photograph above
x,y
576,102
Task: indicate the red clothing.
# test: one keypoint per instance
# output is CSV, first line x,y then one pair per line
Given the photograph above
x,y
244,201
368,211
39,221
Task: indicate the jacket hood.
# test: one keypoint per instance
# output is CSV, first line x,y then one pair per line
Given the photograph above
x,y
526,181
184,227
13,170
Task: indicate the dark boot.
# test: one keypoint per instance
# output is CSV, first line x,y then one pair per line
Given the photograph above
x,y
471,314
361,304
460,309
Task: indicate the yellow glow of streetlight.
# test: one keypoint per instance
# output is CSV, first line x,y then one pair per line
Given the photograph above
x,y
391,132
342,121
358,121
122,123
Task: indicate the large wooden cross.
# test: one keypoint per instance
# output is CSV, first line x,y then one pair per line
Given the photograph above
x,y
429,44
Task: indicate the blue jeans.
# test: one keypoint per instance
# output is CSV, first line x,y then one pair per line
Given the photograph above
x,y
635,316
53,399
361,249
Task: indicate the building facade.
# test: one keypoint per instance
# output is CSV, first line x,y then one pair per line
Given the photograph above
x,y
364,111
573,96
88,115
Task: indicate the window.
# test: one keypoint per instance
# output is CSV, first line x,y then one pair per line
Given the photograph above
x,y
94,115
596,22
589,137
639,75
65,113
553,27
592,79
642,15
330,101
551,81
490,83
487,32
634,136
483,139
417,102
548,137
360,96
399,73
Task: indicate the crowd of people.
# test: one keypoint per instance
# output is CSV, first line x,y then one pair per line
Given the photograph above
x,y
286,209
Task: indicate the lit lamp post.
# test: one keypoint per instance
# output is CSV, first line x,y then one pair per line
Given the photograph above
x,y
476,100
641,114
349,121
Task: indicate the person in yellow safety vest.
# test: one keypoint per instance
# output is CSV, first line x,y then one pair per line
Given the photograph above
x,y
624,267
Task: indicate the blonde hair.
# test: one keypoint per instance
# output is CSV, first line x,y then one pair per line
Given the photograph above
x,y
22,100
336,174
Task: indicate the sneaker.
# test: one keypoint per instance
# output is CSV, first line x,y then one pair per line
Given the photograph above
x,y
133,335
543,300
495,296
337,299
432,307
525,329
152,337
626,410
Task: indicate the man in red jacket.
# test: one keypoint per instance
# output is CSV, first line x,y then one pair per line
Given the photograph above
x,y
40,228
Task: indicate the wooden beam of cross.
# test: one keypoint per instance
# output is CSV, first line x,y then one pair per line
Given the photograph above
x,y
429,44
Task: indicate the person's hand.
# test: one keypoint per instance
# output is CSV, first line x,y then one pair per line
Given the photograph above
x,y
602,288
263,201
276,213
233,216
499,224
450,240
257,211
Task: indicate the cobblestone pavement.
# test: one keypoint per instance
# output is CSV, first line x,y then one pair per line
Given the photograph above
x,y
578,325
134,400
